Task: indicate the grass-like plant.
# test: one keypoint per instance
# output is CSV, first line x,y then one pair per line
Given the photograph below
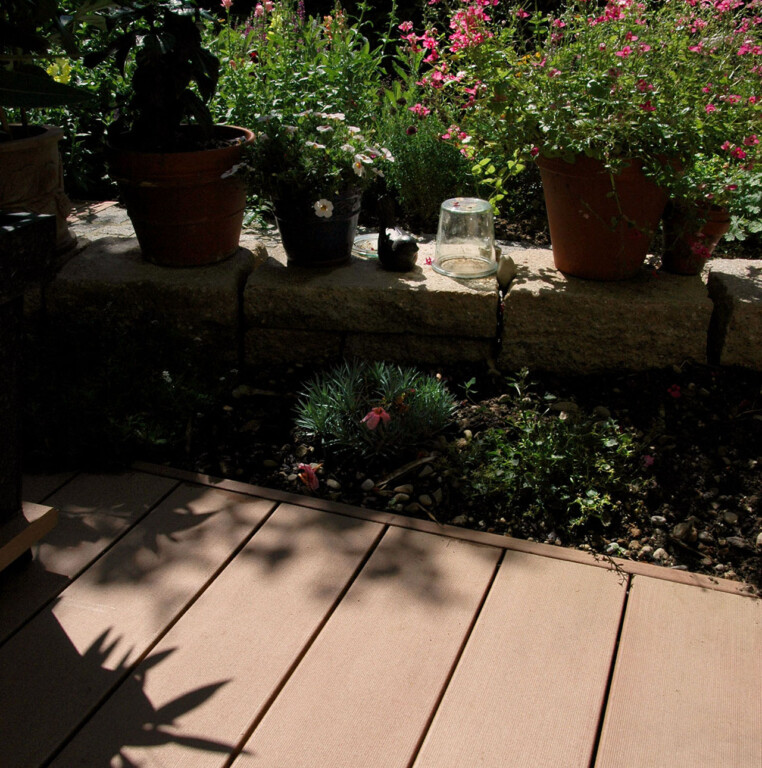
x,y
373,410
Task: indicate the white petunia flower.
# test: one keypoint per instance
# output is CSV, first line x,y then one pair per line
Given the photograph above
x,y
323,208
364,159
347,148
314,145
324,128
358,168
353,129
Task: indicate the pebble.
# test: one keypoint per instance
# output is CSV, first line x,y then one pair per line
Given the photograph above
x,y
612,549
468,434
731,575
270,463
759,539
292,477
565,406
646,550
731,518
367,485
658,519
334,485
719,568
705,536
661,555
738,542
426,471
437,496
459,520
684,532
634,545
400,498
425,500
601,412
407,488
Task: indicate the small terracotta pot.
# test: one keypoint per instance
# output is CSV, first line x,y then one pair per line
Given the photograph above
x,y
691,233
314,241
184,212
600,225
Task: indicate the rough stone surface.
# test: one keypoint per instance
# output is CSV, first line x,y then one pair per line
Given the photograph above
x,y
409,349
110,282
735,286
567,325
362,297
268,346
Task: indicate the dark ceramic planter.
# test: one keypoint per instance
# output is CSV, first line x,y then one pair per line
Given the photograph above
x,y
316,241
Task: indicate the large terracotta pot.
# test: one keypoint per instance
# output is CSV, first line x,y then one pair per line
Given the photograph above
x,y
600,225
691,234
318,241
184,212
31,177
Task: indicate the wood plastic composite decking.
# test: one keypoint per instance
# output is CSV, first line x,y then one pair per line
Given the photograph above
x,y
175,620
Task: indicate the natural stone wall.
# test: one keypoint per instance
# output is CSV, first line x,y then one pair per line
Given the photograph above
x,y
567,325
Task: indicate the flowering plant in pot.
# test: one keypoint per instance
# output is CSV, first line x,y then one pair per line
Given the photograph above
x,y
616,90
170,159
31,176
313,166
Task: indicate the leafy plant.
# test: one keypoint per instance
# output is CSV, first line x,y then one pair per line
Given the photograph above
x,y
172,76
373,410
564,471
29,31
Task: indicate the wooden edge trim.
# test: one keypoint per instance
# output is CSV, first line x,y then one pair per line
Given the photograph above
x,y
629,567
17,536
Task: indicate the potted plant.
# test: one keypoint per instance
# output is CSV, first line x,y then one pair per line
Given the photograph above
x,y
611,101
31,176
313,166
172,163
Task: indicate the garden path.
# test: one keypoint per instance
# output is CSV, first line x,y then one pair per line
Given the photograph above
x,y
173,619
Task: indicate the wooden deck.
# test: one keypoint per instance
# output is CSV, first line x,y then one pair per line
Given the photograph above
x,y
174,620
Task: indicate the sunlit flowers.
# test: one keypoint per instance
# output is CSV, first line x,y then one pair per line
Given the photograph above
x,y
376,416
323,208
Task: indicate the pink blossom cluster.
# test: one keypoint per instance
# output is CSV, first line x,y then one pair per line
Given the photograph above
x,y
468,25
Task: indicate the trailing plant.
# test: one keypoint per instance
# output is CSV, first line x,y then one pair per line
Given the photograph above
x,y
373,410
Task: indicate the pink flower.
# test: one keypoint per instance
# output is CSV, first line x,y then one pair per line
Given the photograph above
x,y
406,26
675,391
738,153
427,261
624,53
259,10
709,108
375,416
308,476
534,151
226,4
522,14
648,461
419,110
647,106
751,141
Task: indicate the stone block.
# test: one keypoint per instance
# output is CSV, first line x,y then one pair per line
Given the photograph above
x,y
411,349
363,298
264,347
735,338
566,325
109,283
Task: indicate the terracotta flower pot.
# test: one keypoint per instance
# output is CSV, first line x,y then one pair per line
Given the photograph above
x,y
31,178
311,240
184,210
691,234
600,226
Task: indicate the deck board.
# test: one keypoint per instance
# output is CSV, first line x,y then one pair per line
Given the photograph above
x,y
93,511
543,645
687,685
60,664
228,655
364,694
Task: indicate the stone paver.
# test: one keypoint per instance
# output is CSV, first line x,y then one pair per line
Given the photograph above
x,y
735,286
567,325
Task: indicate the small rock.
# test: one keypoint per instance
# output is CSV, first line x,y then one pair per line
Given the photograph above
x,y
719,568
684,531
646,551
661,555
334,485
658,519
426,471
407,488
565,406
468,434
706,561
459,520
705,536
601,412
679,567
293,477
634,545
301,451
737,542
400,498
367,485
425,500
410,508
269,463
731,518
437,496
759,540
612,549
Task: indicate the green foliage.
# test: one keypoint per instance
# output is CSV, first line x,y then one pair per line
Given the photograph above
x,y
563,469
282,61
333,407
172,76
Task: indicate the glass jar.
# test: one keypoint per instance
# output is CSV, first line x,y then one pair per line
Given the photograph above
x,y
465,239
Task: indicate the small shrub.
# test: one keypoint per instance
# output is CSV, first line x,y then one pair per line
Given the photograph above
x,y
373,410
549,472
